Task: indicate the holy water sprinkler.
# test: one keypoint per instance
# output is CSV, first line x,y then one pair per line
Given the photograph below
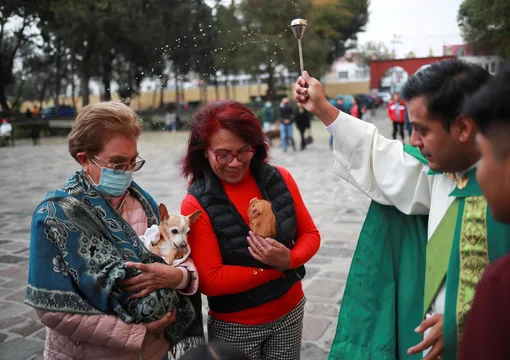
x,y
298,28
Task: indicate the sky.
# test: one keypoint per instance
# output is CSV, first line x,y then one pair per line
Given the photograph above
x,y
420,24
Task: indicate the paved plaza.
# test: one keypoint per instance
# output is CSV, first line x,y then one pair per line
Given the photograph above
x,y
28,172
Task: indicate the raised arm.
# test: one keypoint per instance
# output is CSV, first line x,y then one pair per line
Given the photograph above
x,y
377,166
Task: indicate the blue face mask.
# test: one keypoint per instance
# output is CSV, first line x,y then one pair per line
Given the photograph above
x,y
114,184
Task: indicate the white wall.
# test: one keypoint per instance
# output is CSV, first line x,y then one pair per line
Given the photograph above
x,y
346,72
490,63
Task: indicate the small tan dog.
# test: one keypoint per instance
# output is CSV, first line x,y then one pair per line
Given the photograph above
x,y
262,219
173,241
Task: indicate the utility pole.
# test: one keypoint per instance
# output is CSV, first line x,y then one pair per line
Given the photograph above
x,y
396,40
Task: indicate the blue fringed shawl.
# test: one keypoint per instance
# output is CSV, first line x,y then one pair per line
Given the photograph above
x,y
78,248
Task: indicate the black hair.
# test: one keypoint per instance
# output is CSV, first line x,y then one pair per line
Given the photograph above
x,y
445,86
215,351
490,106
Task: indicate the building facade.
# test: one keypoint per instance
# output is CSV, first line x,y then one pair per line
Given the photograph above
x,y
484,58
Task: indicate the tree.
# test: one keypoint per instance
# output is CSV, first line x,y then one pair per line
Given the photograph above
x,y
339,22
372,50
228,52
269,44
485,26
18,14
332,27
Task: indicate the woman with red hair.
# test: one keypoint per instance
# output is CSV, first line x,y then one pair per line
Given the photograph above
x,y
253,284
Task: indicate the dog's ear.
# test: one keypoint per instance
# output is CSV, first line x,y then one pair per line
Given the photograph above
x,y
163,212
194,217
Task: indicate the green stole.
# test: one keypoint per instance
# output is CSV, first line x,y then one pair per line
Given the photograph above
x,y
383,300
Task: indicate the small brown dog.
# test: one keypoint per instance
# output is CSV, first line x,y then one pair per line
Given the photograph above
x,y
174,229
262,219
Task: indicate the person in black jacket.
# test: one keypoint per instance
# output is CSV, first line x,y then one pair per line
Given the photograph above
x,y
286,118
302,119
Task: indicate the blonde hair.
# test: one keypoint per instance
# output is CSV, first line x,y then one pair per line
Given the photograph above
x,y
98,123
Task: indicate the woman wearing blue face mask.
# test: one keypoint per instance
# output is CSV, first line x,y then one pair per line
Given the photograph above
x,y
100,293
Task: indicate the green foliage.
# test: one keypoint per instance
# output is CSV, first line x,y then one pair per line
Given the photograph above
x,y
13,38
331,25
485,25
24,129
128,41
372,50
338,22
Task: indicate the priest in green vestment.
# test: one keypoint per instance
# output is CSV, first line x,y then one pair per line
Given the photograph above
x,y
428,235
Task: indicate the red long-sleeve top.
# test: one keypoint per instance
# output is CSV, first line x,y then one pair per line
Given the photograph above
x,y
219,279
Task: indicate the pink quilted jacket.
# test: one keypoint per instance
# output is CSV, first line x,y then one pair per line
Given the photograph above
x,y
106,337
94,337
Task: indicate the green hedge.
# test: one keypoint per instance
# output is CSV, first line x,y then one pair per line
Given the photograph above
x,y
25,129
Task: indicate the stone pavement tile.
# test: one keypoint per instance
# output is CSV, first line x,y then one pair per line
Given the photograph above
x,y
20,348
335,252
23,252
15,283
12,309
319,300
31,314
14,246
322,309
28,327
311,351
318,260
333,275
311,271
324,288
11,272
36,357
18,296
8,322
314,327
335,243
4,292
11,259
340,265
41,334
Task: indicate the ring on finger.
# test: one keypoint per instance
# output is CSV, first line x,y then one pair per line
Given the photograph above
x,y
440,357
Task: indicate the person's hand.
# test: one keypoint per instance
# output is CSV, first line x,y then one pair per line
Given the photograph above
x,y
434,339
157,327
269,251
311,86
316,101
153,277
286,121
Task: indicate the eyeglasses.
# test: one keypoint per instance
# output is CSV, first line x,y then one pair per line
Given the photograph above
x,y
224,158
123,167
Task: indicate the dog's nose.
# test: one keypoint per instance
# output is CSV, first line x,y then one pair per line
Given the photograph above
x,y
182,245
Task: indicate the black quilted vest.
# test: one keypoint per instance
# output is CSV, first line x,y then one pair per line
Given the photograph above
x,y
231,231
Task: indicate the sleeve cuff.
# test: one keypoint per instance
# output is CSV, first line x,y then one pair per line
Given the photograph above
x,y
185,279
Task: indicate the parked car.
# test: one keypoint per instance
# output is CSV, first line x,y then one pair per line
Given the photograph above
x,y
385,97
63,111
366,100
347,101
